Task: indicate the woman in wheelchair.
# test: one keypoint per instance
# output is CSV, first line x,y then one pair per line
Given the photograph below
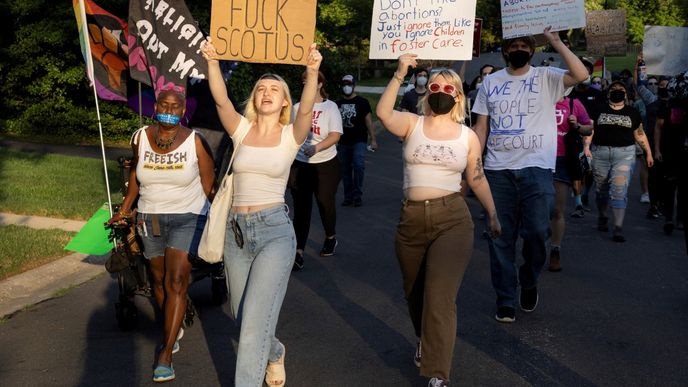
x,y
172,178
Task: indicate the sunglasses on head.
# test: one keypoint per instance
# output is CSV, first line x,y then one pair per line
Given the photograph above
x,y
435,87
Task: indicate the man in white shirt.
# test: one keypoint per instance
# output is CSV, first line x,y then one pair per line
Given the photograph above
x,y
521,142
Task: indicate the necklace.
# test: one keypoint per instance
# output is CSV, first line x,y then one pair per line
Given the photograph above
x,y
164,144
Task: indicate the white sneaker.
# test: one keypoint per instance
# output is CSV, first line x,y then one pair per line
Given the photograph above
x,y
645,198
437,382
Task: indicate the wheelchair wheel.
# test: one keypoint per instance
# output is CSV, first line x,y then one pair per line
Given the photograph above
x,y
126,313
218,287
190,313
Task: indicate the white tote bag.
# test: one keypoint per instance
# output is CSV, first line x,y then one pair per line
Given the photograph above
x,y
212,244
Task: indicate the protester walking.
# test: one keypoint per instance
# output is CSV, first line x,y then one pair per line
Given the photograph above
x,y
617,129
357,122
434,238
316,172
172,175
521,155
260,245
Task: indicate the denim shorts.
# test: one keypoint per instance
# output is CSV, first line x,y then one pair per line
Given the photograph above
x,y
178,231
561,173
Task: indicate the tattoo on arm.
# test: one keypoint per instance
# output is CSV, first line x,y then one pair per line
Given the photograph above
x,y
639,131
479,173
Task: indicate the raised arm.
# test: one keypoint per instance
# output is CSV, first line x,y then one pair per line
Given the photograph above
x,y
399,123
229,117
303,119
576,70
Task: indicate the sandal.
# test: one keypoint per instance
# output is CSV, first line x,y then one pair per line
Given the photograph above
x,y
275,374
163,373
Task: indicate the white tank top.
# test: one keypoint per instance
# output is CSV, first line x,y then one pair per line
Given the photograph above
x,y
260,173
434,163
169,183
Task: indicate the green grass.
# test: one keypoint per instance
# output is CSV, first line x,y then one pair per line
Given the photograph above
x,y
618,63
23,248
54,185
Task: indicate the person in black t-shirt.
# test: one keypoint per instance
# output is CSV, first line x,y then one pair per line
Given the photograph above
x,y
671,148
409,102
617,127
357,122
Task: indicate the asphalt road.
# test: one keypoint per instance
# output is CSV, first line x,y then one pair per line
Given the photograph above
x,y
615,316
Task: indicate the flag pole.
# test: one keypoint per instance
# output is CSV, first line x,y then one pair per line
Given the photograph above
x,y
91,78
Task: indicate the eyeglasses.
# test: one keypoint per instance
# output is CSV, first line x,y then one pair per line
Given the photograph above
x,y
238,235
596,82
652,83
435,87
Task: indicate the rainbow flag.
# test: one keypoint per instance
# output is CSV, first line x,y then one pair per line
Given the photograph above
x,y
598,68
103,39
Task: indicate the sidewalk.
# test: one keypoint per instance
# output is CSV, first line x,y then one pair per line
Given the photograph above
x,y
44,282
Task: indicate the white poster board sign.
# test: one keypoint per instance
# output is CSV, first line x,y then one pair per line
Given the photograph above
x,y
433,29
531,17
665,50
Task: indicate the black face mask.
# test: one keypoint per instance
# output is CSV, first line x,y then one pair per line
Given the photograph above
x,y
662,92
617,96
441,103
518,58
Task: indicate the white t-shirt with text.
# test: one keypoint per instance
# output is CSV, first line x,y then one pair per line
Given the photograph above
x,y
326,119
522,120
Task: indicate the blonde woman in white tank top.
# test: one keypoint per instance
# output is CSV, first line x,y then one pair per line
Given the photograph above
x,y
434,238
260,244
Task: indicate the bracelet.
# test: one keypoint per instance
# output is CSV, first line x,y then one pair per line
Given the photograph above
x,y
398,77
123,213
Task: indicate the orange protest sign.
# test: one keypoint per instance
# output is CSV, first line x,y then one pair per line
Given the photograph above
x,y
263,31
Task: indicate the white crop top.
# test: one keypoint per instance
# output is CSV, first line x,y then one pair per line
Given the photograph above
x,y
260,173
434,163
169,183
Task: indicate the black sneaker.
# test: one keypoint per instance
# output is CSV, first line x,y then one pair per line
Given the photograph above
x,y
357,202
347,203
298,262
579,212
652,213
602,223
437,382
505,314
528,299
617,235
328,247
417,355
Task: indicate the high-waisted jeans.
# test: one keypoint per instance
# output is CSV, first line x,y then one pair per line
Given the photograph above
x,y
258,274
612,167
434,242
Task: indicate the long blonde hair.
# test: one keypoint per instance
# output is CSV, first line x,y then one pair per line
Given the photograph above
x,y
285,115
458,112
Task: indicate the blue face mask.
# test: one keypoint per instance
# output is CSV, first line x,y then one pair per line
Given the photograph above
x,y
167,118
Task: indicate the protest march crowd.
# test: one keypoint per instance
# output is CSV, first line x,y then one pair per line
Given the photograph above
x,y
539,136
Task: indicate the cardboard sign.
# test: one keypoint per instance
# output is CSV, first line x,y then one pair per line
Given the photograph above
x,y
664,50
263,31
605,32
433,29
530,17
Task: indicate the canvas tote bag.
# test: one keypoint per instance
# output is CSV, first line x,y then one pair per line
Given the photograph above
x,y
212,244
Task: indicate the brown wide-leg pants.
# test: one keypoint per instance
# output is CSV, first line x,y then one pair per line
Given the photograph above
x,y
434,242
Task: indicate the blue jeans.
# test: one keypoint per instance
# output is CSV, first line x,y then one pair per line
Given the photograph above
x,y
352,158
524,199
612,168
258,274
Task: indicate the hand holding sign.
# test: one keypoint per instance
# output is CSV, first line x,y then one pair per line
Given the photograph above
x,y
406,61
314,59
208,50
